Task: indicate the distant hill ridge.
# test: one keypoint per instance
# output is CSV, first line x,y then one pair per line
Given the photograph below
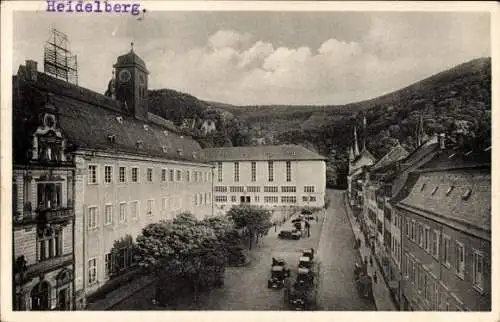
x,y
467,83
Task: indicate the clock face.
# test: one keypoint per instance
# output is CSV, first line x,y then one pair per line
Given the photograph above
x,y
142,79
124,75
49,120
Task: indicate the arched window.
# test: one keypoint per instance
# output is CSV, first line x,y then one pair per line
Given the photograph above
x,y
40,297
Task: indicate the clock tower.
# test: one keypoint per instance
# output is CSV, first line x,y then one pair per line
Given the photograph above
x,y
131,84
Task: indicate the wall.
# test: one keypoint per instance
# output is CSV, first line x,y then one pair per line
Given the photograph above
x,y
179,195
304,173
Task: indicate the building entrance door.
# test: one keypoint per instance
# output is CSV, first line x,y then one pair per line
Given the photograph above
x,y
40,297
63,300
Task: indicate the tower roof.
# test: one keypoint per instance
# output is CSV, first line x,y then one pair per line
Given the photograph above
x,y
131,59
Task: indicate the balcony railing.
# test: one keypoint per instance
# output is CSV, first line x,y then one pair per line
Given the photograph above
x,y
44,215
49,265
55,214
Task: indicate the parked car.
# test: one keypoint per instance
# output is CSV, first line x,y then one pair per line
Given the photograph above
x,y
289,234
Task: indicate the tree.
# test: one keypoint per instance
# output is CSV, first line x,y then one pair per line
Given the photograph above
x,y
184,253
256,221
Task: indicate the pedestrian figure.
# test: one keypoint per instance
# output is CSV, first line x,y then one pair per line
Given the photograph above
x,y
274,227
375,277
371,261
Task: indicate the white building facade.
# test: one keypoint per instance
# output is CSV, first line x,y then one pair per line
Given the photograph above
x,y
279,178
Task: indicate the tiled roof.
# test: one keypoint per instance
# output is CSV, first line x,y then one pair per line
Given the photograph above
x,y
262,152
397,153
414,160
87,119
461,195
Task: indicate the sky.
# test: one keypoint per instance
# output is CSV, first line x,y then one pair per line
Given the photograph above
x,y
267,57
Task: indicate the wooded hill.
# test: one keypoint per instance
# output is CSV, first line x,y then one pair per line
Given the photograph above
x,y
458,99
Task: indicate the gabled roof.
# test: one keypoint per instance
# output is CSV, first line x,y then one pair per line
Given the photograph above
x,y
462,196
87,120
261,153
397,153
364,153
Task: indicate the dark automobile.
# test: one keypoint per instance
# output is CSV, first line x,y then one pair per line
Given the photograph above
x,y
278,276
289,234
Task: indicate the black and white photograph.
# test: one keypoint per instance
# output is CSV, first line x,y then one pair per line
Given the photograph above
x,y
248,156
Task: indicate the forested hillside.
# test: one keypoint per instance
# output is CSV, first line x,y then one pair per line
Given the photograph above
x,y
454,101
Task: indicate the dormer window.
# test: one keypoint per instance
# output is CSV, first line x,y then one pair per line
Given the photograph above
x,y
466,194
111,138
179,152
450,189
164,149
468,153
434,190
139,143
146,127
423,187
451,155
119,119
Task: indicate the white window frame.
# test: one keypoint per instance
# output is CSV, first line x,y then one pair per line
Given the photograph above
x,y
122,205
149,175
178,175
110,167
93,268
270,171
164,175
137,176
164,202
459,265
253,171
94,220
108,259
108,206
120,174
479,286
150,204
447,254
236,171
219,172
171,175
135,215
288,169
96,174
435,241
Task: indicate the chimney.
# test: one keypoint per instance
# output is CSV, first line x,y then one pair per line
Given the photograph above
x,y
441,141
32,70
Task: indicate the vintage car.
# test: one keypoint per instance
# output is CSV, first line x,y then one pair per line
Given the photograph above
x,y
301,295
290,234
278,276
305,262
308,253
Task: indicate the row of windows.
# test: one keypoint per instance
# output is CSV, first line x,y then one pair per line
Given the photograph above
x,y
275,189
132,209
427,286
423,236
113,262
452,253
253,171
267,199
172,175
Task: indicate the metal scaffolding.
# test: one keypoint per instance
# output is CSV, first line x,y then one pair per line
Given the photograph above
x,y
58,60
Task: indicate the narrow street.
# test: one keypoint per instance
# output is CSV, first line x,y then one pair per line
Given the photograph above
x,y
337,291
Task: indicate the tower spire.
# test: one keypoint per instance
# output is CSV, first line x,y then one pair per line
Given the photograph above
x,y
364,132
356,148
